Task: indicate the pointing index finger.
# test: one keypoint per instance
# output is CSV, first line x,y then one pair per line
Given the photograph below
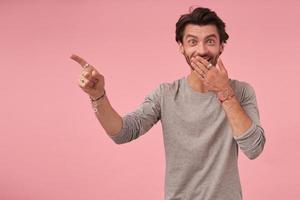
x,y
79,60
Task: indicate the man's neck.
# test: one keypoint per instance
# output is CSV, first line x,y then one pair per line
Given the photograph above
x,y
196,83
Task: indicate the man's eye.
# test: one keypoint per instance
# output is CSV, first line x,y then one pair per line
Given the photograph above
x,y
192,42
210,41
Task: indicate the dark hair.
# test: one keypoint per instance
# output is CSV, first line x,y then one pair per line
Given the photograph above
x,y
200,16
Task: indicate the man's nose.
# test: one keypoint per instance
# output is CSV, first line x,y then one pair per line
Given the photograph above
x,y
201,49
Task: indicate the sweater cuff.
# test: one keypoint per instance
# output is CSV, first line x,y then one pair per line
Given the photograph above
x,y
119,137
247,133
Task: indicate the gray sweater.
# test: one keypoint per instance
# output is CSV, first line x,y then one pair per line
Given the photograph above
x,y
201,151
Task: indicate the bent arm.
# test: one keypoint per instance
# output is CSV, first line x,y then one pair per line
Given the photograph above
x,y
142,119
244,120
134,124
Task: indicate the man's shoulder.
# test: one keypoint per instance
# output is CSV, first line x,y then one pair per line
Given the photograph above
x,y
171,86
239,84
164,89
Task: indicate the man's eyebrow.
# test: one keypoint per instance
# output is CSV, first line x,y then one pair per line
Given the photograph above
x,y
211,35
193,36
189,35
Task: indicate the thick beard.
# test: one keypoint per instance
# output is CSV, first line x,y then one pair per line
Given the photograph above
x,y
215,60
188,60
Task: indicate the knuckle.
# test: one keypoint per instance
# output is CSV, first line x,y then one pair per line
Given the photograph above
x,y
83,85
95,73
87,82
85,74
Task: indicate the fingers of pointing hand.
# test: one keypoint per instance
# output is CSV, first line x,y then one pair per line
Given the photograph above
x,y
91,74
85,83
86,74
81,61
96,75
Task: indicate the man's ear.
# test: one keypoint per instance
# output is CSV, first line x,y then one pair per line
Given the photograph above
x,y
180,47
221,48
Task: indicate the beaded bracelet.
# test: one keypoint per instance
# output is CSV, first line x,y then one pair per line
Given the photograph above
x,y
98,98
94,101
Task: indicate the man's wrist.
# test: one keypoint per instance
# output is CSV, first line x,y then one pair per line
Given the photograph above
x,y
225,94
95,101
98,97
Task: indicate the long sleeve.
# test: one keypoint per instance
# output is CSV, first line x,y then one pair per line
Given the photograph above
x,y
252,141
138,122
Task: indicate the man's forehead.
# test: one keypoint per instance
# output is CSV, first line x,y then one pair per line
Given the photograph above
x,y
200,31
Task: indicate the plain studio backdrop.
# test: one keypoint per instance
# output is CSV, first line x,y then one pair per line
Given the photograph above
x,y
51,144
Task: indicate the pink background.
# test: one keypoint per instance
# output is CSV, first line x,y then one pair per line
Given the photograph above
x,y
51,144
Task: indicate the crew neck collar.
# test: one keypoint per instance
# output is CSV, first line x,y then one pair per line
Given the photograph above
x,y
192,91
